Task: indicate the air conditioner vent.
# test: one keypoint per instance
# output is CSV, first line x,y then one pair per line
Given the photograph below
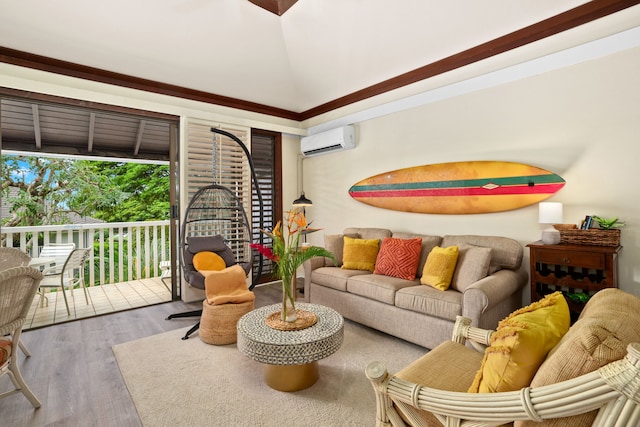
x,y
331,141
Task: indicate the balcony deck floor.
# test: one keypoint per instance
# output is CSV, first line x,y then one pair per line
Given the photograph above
x,y
102,300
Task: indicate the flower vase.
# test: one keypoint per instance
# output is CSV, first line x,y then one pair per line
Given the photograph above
x,y
288,313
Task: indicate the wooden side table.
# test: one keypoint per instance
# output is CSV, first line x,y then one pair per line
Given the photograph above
x,y
579,271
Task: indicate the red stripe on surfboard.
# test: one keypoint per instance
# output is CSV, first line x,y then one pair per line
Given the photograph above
x,y
507,190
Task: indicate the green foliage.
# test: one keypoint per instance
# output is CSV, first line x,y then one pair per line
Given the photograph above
x,y
47,190
144,189
609,223
50,189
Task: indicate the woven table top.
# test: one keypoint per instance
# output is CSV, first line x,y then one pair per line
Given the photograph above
x,y
267,345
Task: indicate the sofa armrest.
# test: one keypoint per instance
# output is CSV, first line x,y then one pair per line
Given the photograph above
x,y
492,291
310,265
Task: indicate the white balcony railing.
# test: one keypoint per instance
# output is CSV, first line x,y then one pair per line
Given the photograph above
x,y
122,251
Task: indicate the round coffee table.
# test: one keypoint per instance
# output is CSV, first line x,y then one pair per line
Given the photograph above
x,y
290,357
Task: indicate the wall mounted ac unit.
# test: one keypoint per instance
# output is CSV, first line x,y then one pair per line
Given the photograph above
x,y
338,139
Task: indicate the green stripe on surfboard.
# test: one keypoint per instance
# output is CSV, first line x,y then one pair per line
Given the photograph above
x,y
461,183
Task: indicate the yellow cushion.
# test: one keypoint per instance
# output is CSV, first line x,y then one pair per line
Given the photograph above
x,y
360,254
439,268
520,345
208,261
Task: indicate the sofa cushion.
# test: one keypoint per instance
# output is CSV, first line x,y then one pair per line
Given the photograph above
x,y
377,287
334,243
360,254
473,265
439,268
461,362
506,252
334,277
431,301
368,232
398,258
607,325
520,345
428,243
215,244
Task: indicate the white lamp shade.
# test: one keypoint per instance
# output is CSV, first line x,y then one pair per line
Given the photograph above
x,y
550,213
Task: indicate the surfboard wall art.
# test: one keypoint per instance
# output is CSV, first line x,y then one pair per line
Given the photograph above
x,y
458,187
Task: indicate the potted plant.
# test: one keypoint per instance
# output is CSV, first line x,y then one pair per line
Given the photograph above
x,y
288,254
608,223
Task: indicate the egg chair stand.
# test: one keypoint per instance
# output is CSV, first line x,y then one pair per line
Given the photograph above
x,y
215,220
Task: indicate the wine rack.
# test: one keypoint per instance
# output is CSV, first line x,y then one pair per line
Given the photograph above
x,y
578,271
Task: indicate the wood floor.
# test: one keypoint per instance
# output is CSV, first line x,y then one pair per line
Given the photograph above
x,y
103,299
75,375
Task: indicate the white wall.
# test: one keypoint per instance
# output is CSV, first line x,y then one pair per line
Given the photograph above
x,y
581,122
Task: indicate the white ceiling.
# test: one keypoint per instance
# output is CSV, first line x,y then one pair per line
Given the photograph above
x,y
319,50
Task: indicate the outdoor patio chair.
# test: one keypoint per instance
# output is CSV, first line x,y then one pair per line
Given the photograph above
x,y
14,257
60,252
165,268
70,276
18,286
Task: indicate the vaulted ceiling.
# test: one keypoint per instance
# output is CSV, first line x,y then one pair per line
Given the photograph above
x,y
289,58
317,52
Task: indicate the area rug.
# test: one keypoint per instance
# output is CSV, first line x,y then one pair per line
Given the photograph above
x,y
190,383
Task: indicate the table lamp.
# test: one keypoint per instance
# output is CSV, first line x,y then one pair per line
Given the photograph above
x,y
550,213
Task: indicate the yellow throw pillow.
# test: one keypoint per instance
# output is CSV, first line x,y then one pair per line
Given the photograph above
x,y
360,254
520,345
208,261
439,268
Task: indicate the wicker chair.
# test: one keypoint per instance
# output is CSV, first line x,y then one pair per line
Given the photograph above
x,y
14,257
607,396
18,286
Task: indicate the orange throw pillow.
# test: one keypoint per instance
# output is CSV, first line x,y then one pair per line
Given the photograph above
x,y
399,258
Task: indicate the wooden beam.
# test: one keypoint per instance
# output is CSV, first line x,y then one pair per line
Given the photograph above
x,y
572,18
139,138
279,7
36,126
92,129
